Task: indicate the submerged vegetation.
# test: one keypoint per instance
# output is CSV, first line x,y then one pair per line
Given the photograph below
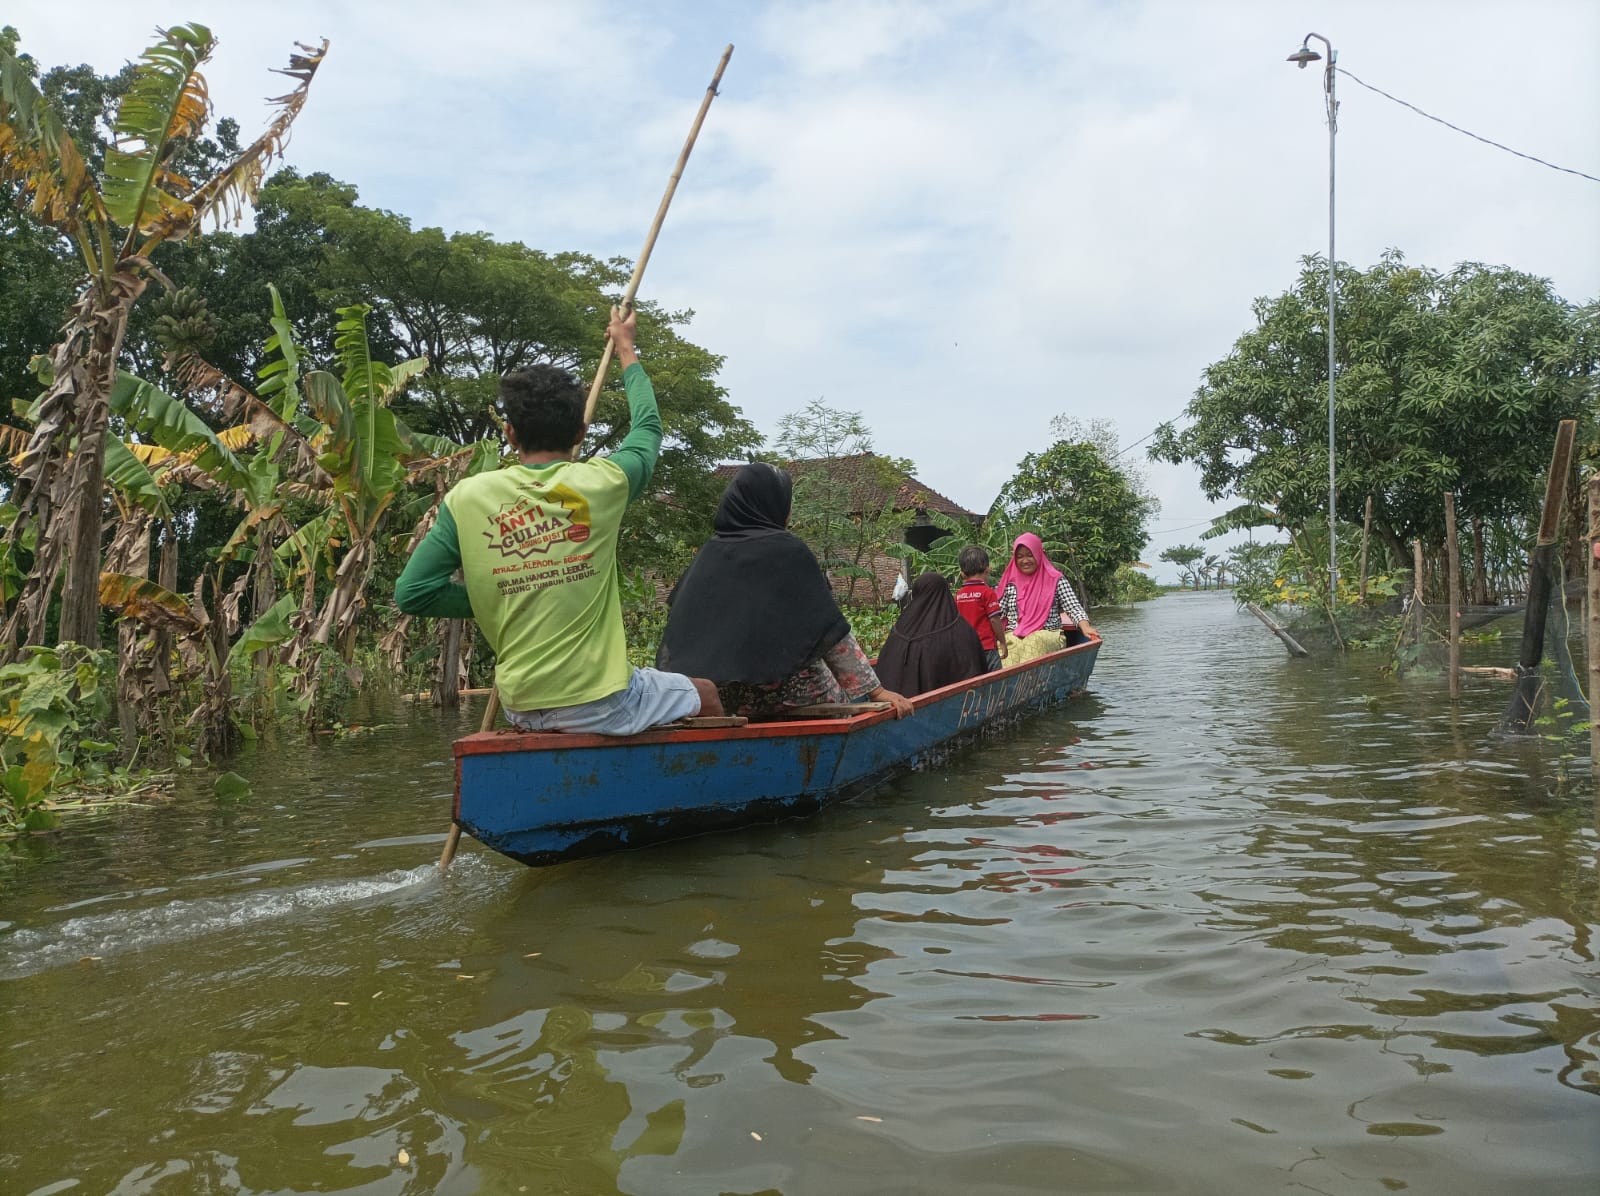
x,y
1448,382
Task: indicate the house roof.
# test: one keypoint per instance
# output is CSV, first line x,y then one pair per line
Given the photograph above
x,y
873,481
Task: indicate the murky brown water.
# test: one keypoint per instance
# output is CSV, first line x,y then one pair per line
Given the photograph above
x,y
1231,924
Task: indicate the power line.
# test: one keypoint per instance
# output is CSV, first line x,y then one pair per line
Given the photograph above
x,y
1167,531
1459,129
1140,441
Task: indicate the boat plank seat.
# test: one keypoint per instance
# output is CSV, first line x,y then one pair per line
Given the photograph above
x,y
835,710
702,722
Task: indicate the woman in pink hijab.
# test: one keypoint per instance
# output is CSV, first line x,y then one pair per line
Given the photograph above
x,y
1042,612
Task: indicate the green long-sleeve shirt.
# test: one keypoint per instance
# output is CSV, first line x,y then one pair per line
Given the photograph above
x,y
425,586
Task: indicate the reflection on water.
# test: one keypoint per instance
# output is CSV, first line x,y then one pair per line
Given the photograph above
x,y
1230,923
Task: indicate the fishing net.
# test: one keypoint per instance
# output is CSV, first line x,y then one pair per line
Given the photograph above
x,y
1547,698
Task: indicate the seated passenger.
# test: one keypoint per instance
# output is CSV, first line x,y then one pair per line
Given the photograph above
x,y
980,605
755,614
1041,610
536,544
931,645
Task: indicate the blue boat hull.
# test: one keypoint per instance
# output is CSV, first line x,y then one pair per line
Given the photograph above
x,y
542,799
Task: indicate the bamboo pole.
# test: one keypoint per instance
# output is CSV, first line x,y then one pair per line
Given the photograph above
x,y
1592,635
1452,551
453,839
1366,533
493,708
1289,641
1416,590
655,228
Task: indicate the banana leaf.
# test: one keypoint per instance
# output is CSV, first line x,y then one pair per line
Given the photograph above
x,y
142,599
167,103
130,475
270,630
172,425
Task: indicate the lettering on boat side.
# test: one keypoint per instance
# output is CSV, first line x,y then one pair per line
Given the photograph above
x,y
980,705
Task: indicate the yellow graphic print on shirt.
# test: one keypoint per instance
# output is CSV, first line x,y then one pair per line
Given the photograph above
x,y
530,527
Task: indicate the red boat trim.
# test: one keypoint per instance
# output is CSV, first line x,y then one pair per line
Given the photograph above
x,y
487,743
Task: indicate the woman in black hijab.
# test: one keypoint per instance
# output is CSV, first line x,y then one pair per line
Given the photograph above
x,y
931,645
755,614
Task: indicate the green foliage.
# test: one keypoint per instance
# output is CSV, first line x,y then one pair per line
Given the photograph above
x,y
54,730
996,535
871,623
1184,556
1256,568
1447,380
844,494
1073,494
644,616
1132,584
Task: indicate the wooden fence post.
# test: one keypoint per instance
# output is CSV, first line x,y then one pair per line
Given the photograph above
x,y
1452,552
1519,714
1366,531
1416,588
1592,637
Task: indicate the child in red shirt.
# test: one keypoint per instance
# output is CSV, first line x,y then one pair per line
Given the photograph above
x,y
980,605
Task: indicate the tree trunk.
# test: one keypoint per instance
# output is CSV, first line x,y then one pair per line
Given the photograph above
x,y
1480,574
447,682
1396,548
60,488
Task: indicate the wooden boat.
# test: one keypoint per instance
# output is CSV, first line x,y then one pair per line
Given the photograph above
x,y
544,798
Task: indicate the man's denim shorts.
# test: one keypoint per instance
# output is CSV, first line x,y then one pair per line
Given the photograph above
x,y
652,697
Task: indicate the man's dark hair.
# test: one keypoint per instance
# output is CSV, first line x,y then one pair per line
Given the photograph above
x,y
973,560
544,406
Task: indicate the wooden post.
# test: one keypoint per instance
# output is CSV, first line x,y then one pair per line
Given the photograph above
x,y
1416,589
453,839
1366,532
1592,635
655,229
1518,717
1452,551
1289,641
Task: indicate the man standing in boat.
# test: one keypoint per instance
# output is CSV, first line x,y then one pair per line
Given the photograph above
x,y
537,545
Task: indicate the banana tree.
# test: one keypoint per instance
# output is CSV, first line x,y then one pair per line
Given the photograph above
x,y
116,219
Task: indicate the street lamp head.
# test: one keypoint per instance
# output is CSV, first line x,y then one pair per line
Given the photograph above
x,y
1304,56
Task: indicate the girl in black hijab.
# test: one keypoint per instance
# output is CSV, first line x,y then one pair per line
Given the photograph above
x,y
755,614
931,645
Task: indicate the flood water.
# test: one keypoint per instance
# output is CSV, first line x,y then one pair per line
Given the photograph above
x,y
1231,923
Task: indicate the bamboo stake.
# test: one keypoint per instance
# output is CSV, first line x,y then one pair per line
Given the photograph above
x,y
1519,714
1453,564
655,228
453,839
1288,640
1416,591
1366,531
1593,628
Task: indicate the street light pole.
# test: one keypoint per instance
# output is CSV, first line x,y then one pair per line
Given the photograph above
x,y
1303,56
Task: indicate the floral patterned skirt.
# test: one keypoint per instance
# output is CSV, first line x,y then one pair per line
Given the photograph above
x,y
843,674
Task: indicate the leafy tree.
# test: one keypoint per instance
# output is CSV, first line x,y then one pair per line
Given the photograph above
x,y
1446,380
116,215
1184,557
1075,493
474,308
1256,567
840,511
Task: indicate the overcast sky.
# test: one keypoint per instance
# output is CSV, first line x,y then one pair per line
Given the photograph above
x,y
960,219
